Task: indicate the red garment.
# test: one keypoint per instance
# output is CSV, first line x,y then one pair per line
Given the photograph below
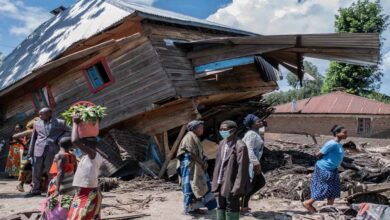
x,y
12,166
68,167
86,205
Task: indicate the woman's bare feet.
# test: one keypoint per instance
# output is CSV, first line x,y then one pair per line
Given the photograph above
x,y
245,209
309,206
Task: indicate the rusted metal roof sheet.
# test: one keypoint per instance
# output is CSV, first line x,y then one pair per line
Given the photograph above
x,y
336,103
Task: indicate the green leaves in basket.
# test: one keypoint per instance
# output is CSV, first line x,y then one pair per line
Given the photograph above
x,y
90,113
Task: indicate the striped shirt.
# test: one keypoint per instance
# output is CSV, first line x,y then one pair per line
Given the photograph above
x,y
221,173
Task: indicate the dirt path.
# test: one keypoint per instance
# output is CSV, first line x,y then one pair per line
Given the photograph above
x,y
159,204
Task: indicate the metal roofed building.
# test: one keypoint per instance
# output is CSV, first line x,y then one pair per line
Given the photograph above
x,y
153,69
361,116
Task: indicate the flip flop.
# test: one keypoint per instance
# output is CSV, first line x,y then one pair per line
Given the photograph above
x,y
20,188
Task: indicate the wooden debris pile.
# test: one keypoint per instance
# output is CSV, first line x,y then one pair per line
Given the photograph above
x,y
130,197
121,147
288,169
146,183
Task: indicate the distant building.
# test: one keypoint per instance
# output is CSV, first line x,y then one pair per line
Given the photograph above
x,y
361,116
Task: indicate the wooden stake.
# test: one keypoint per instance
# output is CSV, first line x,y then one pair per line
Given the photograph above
x,y
166,144
160,147
173,151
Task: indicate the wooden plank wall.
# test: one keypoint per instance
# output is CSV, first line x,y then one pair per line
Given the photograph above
x,y
180,70
140,81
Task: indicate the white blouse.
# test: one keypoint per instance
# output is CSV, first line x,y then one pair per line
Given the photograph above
x,y
254,143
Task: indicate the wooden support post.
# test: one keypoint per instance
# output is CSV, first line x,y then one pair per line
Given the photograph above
x,y
160,147
172,152
166,144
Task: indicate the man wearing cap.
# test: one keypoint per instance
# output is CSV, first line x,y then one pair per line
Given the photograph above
x,y
44,146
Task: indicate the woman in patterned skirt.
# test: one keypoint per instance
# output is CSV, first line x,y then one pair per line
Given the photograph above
x,y
87,201
14,156
25,172
325,180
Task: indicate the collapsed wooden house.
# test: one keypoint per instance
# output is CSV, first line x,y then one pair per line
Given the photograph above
x,y
154,70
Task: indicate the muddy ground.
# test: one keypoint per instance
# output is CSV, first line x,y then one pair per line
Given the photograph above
x,y
158,203
163,200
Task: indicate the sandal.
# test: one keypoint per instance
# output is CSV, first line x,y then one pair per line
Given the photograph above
x,y
20,188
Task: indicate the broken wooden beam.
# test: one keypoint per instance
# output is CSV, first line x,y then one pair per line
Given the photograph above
x,y
124,216
172,151
166,143
374,188
159,145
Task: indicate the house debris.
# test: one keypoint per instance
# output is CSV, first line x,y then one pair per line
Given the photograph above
x,y
155,71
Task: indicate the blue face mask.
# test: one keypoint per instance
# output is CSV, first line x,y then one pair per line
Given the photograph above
x,y
224,134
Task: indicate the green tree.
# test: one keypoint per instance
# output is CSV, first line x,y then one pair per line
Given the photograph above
x,y
310,88
362,16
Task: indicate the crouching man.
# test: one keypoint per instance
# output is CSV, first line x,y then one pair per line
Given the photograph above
x,y
231,176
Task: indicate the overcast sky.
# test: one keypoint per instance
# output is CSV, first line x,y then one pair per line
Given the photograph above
x,y
19,18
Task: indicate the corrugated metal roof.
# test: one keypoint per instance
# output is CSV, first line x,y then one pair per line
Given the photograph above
x,y
173,17
336,103
81,21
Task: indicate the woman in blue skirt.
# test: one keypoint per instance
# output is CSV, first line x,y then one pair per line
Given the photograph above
x,y
325,183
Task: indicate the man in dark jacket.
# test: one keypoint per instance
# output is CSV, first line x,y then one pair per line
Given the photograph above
x,y
44,146
231,176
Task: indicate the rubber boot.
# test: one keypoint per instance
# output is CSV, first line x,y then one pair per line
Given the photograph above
x,y
232,215
221,214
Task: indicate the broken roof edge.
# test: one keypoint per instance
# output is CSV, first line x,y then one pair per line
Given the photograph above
x,y
174,18
218,27
63,60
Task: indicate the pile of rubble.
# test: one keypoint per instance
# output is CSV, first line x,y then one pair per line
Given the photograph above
x,y
288,168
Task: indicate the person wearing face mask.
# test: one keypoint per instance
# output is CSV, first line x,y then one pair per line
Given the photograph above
x,y
255,145
231,176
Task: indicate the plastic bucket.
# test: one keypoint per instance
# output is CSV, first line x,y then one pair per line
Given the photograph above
x,y
88,129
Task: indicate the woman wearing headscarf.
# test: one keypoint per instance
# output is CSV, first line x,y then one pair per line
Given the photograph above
x,y
325,183
195,181
255,146
231,176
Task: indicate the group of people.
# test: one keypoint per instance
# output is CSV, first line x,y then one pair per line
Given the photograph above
x,y
70,184
72,190
237,173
